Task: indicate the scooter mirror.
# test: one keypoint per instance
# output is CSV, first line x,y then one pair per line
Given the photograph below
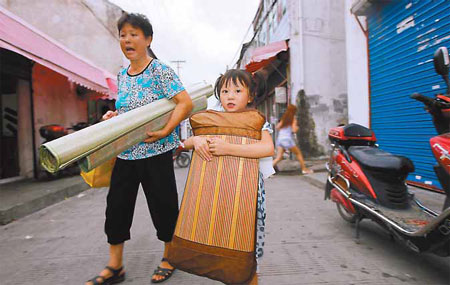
x,y
441,61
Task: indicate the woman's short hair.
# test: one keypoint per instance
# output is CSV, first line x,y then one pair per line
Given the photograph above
x,y
136,20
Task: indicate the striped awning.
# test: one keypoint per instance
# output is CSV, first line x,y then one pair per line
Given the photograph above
x,y
264,55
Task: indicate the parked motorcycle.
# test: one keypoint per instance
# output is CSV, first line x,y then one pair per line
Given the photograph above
x,y
367,182
52,132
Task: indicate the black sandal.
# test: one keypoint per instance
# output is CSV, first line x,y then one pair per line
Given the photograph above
x,y
114,279
166,273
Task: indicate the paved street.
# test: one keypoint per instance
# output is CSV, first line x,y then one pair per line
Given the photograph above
x,y
306,243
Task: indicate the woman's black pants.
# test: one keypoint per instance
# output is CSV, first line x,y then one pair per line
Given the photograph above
x,y
157,177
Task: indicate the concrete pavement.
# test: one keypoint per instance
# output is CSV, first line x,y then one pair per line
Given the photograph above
x,y
24,197
307,243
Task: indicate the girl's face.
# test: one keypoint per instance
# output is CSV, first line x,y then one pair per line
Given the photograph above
x,y
234,97
133,42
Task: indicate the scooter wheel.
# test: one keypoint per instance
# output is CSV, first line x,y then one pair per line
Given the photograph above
x,y
183,160
345,214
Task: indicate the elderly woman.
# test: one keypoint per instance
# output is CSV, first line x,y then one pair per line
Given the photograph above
x,y
149,163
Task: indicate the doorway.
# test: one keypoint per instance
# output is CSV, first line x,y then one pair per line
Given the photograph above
x,y
15,114
9,162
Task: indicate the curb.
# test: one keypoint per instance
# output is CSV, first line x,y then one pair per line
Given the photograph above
x,y
313,181
28,207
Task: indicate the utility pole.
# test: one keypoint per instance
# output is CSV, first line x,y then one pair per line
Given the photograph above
x,y
183,131
178,63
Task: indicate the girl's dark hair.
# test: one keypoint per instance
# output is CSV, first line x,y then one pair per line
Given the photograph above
x,y
136,20
288,116
255,82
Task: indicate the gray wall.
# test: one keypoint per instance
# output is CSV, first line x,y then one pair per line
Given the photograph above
x,y
87,27
318,62
357,69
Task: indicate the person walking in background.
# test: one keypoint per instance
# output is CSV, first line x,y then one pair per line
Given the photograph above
x,y
285,140
149,163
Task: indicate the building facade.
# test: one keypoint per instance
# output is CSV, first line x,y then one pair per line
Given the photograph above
x,y
87,27
311,70
42,83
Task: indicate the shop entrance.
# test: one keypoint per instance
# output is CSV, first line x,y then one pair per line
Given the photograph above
x,y
14,75
9,166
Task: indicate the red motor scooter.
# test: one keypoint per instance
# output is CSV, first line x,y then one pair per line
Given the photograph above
x,y
367,182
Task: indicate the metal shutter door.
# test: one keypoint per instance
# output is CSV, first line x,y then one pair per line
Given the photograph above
x,y
402,39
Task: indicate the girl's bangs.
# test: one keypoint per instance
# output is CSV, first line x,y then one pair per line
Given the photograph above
x,y
235,78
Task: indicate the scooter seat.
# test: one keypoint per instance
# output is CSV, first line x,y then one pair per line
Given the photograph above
x,y
376,159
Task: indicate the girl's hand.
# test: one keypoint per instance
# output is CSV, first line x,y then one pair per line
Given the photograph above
x,y
218,146
202,148
108,115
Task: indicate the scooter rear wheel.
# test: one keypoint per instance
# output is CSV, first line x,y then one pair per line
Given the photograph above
x,y
345,214
183,160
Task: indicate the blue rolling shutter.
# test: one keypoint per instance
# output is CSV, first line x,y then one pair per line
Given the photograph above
x,y
403,36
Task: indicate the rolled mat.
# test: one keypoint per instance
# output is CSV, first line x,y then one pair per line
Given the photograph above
x,y
215,232
123,143
59,153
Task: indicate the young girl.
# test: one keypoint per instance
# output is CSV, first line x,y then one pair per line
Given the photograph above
x,y
236,90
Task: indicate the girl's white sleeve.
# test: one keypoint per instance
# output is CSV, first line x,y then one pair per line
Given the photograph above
x,y
265,163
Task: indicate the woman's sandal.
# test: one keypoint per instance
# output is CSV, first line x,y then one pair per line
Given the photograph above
x,y
114,279
166,273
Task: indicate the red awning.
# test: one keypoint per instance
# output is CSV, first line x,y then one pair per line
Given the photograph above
x,y
22,38
262,56
112,85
